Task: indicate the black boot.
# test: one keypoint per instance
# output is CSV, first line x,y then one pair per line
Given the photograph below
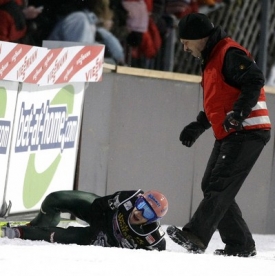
x,y
236,251
186,239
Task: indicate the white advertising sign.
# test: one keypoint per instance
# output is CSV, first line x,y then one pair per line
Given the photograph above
x,y
45,141
40,121
8,95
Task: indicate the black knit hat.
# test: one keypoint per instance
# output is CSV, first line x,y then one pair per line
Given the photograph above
x,y
194,26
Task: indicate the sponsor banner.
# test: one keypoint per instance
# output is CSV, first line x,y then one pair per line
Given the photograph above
x,y
8,96
38,65
45,142
17,61
71,64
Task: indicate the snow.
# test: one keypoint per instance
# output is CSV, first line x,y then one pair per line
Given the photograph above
x,y
23,257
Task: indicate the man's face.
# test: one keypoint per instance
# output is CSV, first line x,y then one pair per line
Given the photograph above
x,y
136,217
194,47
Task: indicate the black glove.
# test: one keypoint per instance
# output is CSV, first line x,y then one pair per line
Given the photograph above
x,y
233,120
191,133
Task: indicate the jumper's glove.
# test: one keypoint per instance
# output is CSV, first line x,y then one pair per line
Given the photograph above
x,y
233,120
191,132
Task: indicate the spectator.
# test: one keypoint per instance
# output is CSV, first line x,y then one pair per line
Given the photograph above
x,y
120,15
179,8
137,20
104,34
13,21
144,36
105,14
75,21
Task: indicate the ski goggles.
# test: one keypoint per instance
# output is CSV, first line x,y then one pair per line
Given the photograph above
x,y
147,211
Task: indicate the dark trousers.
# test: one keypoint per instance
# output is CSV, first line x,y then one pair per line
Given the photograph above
x,y
43,226
229,164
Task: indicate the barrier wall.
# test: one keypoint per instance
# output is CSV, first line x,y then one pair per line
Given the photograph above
x,y
130,139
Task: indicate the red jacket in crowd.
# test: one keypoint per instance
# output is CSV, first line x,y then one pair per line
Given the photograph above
x,y
12,20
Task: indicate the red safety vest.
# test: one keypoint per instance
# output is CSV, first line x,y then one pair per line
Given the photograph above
x,y
219,97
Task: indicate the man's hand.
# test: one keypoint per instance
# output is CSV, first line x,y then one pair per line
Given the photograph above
x,y
233,120
191,133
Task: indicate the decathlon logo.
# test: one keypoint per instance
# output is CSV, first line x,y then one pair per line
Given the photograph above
x,y
46,127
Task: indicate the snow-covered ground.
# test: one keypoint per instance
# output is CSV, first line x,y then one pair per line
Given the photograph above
x,y
28,258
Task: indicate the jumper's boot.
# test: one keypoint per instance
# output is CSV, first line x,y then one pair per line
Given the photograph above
x,y
186,239
11,233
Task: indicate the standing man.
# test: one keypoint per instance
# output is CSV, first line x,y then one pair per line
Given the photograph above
x,y
235,107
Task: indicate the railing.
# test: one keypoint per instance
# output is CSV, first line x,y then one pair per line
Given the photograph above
x,y
242,21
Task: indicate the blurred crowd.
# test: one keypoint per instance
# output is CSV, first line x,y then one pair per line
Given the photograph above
x,y
133,31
